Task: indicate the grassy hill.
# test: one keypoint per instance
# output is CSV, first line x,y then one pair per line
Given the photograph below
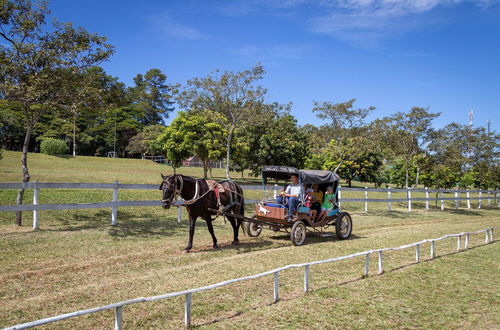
x,y
77,260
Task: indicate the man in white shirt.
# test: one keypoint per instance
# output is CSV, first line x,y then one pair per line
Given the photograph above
x,y
291,195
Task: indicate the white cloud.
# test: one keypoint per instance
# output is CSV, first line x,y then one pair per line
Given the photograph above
x,y
365,23
175,29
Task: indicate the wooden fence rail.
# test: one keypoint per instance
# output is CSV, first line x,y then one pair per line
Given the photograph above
x,y
116,203
188,294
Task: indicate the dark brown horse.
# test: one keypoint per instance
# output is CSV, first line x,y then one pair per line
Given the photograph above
x,y
199,197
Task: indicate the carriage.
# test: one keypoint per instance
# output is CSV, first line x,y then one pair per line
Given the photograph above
x,y
272,215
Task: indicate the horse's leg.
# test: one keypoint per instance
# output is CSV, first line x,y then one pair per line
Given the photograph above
x,y
235,226
211,231
192,225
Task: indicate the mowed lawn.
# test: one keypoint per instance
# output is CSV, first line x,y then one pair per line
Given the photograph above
x,y
77,261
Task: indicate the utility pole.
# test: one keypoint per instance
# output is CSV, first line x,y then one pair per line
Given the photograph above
x,y
471,117
489,124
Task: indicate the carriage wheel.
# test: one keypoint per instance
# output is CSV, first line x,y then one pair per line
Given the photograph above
x,y
343,226
298,234
253,229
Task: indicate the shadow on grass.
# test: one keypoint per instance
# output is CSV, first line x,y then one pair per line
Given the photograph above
x,y
312,238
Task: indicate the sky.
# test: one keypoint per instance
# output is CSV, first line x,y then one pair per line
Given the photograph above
x,y
391,54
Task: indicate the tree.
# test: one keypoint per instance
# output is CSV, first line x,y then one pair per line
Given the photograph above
x,y
234,95
145,142
35,61
407,134
344,121
194,133
153,95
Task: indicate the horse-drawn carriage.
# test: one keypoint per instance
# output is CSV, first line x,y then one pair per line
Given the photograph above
x,y
206,199
273,215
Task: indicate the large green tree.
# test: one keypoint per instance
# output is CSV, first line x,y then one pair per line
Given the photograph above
x,y
153,95
195,133
345,123
234,95
35,62
406,134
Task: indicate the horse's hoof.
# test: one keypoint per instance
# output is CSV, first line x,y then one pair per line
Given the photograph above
x,y
185,251
216,246
236,242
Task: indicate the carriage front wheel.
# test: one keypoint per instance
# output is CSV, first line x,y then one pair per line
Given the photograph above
x,y
253,229
298,234
343,226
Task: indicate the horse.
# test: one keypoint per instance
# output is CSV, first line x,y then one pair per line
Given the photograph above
x,y
202,198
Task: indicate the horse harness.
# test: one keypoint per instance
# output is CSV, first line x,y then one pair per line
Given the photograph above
x,y
214,186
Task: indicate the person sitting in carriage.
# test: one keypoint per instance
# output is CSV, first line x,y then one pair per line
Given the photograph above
x,y
291,195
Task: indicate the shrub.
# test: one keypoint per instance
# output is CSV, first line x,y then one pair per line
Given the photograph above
x,y
51,146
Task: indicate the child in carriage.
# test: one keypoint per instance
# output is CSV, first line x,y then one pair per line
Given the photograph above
x,y
328,203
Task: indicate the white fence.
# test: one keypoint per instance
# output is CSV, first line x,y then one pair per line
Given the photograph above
x,y
489,195
116,203
118,307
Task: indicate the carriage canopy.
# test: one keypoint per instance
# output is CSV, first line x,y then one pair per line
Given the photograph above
x,y
305,176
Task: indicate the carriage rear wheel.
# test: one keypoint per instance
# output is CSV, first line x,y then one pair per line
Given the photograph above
x,y
298,233
343,226
253,229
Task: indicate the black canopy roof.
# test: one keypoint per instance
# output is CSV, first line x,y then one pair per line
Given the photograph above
x,y
306,176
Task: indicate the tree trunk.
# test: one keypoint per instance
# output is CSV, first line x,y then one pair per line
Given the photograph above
x,y
74,135
205,169
228,154
24,168
406,176
349,181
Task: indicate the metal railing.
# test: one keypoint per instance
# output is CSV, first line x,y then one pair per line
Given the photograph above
x,y
118,307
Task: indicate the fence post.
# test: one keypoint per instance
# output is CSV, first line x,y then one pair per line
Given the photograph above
x,y
498,201
114,210
479,200
486,236
468,199
491,235
467,237
456,199
367,264
489,201
409,199
442,201
366,199
36,190
276,286
417,253
179,214
306,278
426,199
340,195
389,199
118,318
187,310
433,249
380,267
459,242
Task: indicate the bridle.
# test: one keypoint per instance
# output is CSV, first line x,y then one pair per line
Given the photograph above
x,y
178,191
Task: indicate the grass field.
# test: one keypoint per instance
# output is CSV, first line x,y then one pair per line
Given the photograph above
x,y
77,260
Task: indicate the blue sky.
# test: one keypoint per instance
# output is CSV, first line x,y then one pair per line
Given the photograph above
x,y
392,54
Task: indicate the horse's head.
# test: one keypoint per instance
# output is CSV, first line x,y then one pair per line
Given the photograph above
x,y
169,188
